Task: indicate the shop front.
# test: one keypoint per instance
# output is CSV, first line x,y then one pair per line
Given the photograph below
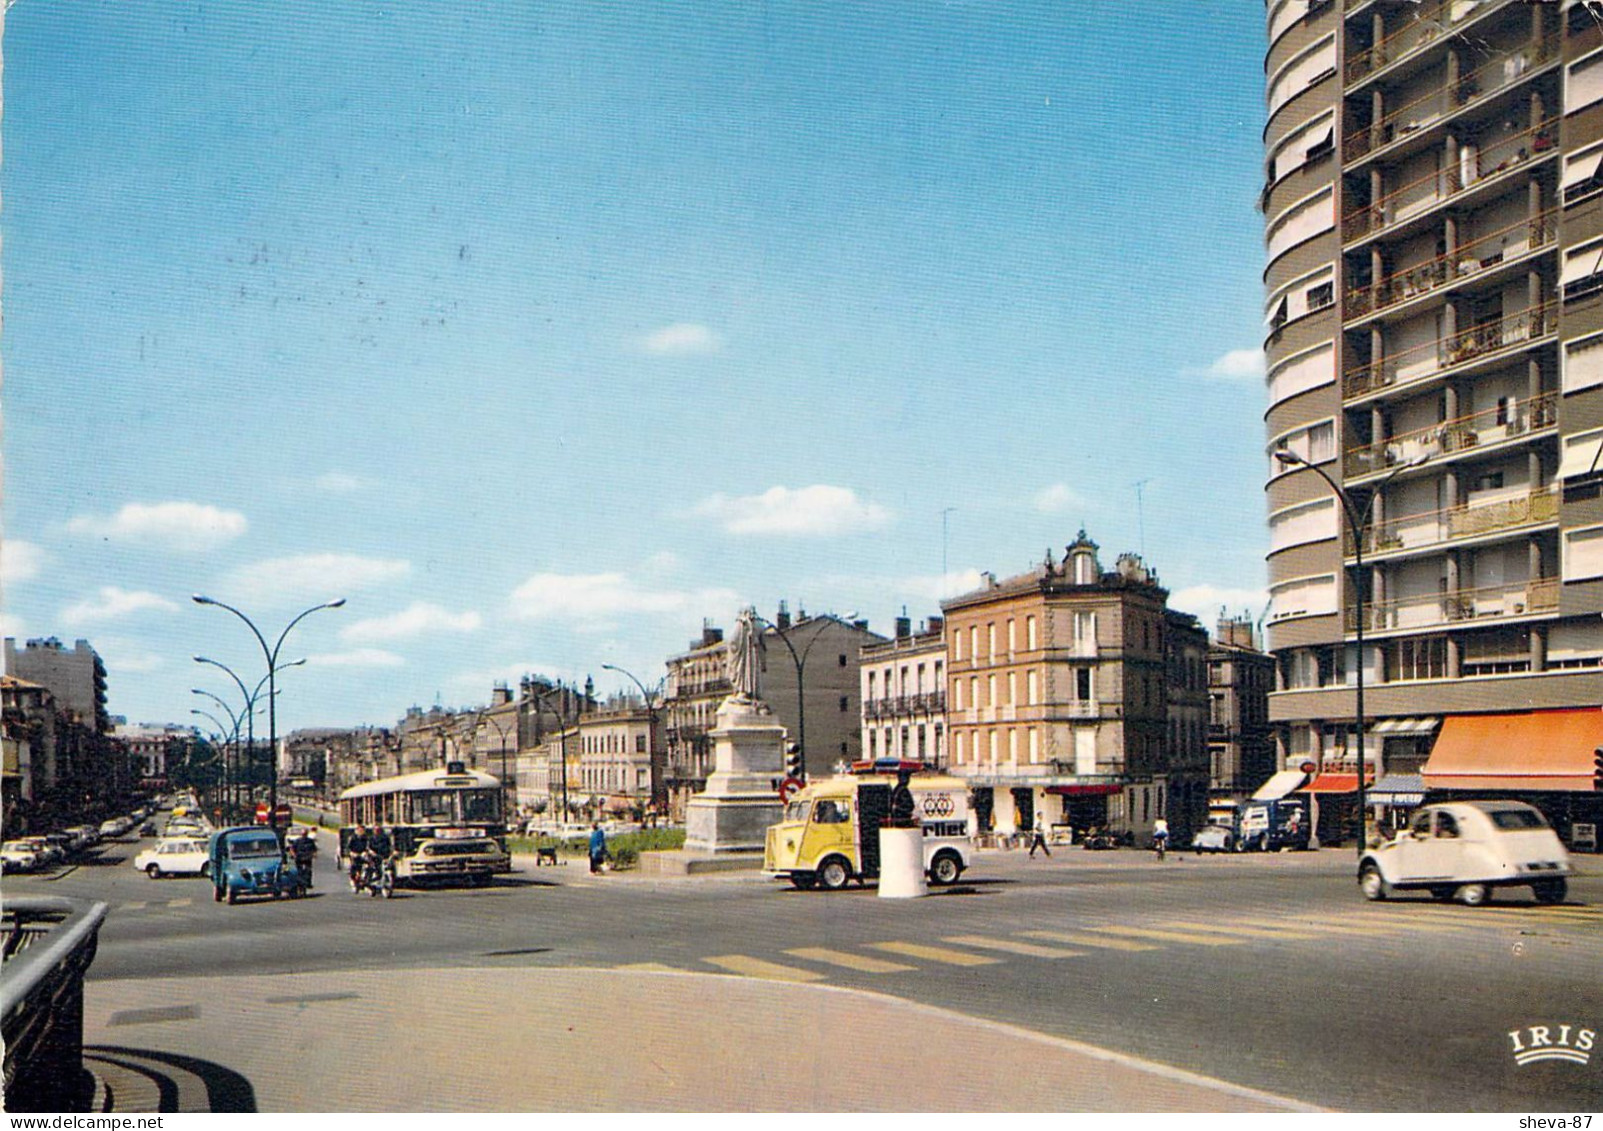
x,y
1545,758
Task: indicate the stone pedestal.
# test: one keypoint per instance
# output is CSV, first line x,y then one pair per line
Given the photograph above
x,y
733,813
901,863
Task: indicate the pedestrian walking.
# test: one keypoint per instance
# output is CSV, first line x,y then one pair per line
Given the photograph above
x,y
598,847
1038,838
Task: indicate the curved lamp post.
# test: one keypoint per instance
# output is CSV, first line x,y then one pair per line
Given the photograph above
x,y
1356,521
659,787
222,729
501,733
800,660
271,655
249,714
235,716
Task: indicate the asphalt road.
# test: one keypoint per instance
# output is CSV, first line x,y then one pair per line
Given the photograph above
x,y
1266,971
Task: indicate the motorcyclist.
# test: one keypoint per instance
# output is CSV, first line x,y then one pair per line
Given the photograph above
x,y
380,852
356,852
303,848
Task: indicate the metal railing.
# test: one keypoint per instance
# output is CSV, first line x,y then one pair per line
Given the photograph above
x,y
1522,599
1408,201
1417,363
1431,22
1436,103
1434,528
1485,427
48,946
1467,260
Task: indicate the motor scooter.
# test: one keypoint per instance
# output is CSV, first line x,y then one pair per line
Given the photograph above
x,y
373,876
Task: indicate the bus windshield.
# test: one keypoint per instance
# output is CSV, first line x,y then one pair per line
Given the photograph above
x,y
482,805
433,805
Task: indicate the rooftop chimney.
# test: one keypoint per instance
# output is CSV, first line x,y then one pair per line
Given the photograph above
x,y
904,625
937,624
782,620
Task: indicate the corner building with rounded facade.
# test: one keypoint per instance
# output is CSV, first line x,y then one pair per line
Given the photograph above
x,y
1433,320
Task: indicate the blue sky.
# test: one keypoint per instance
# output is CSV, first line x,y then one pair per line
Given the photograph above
x,y
542,332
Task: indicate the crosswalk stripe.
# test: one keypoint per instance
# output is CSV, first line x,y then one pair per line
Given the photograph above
x,y
1249,932
759,968
1105,941
650,967
1032,950
936,954
1323,928
136,905
1170,936
179,902
1397,919
850,961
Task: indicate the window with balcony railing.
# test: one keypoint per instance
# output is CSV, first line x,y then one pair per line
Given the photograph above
x,y
1425,360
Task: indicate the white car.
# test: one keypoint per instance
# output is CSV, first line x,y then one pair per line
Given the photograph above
x,y
1465,849
178,856
19,856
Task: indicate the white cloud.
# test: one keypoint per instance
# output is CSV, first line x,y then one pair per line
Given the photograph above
x,y
559,596
418,618
355,658
1205,601
819,509
112,603
186,527
312,576
122,655
682,338
933,587
340,483
1235,365
1057,499
19,561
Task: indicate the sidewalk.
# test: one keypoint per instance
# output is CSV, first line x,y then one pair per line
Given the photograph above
x,y
592,1040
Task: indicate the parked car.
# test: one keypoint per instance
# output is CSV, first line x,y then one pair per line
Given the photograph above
x,y
1465,849
148,829
113,828
60,846
1213,838
19,856
83,836
179,856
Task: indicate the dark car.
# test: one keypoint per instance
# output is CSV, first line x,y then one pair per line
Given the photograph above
x,y
250,860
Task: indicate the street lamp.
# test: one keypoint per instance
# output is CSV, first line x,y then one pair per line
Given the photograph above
x,y
659,787
271,655
249,714
222,728
232,714
800,660
501,733
562,741
1356,521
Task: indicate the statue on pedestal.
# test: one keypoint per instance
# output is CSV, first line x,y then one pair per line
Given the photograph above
x,y
742,661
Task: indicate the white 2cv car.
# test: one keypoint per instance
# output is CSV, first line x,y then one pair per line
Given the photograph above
x,y
1464,849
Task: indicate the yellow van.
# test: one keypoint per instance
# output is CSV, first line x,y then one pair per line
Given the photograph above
x,y
830,831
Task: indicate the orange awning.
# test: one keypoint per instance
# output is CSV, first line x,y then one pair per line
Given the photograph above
x,y
1538,750
1336,783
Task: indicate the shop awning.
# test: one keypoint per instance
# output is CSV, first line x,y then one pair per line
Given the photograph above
x,y
1084,790
1406,726
1280,784
1332,783
1397,789
1536,751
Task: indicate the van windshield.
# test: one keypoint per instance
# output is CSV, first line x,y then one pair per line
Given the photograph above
x,y
797,810
1517,820
256,846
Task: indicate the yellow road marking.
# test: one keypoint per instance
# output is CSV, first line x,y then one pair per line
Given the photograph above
x,y
758,968
1398,920
1249,932
1091,940
1170,936
179,902
850,961
1032,950
935,954
1322,928
136,905
650,967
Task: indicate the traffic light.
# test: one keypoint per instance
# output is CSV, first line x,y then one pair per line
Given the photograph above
x,y
794,767
1597,769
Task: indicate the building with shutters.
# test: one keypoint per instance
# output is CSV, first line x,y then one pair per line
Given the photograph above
x,y
1433,230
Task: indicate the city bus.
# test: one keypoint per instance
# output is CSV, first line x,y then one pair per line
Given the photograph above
x,y
447,824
